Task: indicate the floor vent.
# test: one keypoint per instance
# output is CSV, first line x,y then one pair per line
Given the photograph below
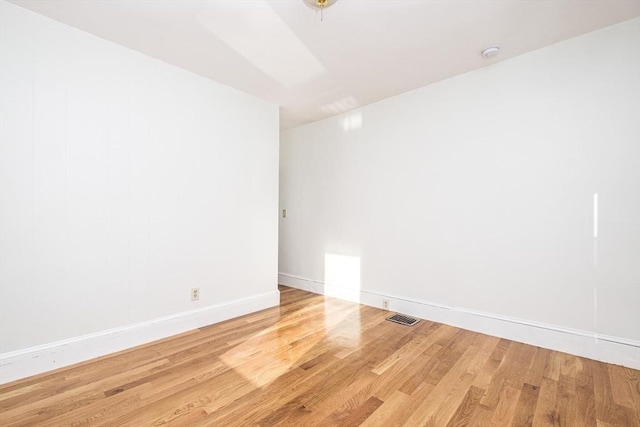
x,y
403,320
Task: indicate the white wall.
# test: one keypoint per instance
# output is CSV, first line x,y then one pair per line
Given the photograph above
x,y
475,196
124,182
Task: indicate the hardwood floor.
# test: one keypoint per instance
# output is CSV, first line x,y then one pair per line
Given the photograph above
x,y
317,361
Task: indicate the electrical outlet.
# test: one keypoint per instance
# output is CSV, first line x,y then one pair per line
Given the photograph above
x,y
195,294
385,304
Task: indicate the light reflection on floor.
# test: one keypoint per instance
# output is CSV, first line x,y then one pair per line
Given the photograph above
x,y
283,345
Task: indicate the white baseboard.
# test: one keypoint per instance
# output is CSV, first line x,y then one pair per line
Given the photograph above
x,y
610,349
34,360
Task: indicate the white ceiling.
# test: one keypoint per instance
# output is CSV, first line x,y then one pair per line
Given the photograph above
x,y
363,51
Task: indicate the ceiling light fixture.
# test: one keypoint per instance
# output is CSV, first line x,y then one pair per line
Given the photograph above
x,y
490,51
319,4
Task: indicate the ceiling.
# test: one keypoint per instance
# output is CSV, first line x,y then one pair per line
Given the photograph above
x,y
361,52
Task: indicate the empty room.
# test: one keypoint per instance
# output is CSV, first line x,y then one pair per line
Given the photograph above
x,y
320,213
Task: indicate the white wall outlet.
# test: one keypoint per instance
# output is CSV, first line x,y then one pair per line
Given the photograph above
x,y
385,304
195,294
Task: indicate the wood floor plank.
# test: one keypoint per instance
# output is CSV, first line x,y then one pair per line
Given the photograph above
x,y
546,413
585,404
363,412
606,409
394,378
566,399
64,402
526,406
448,392
451,352
625,386
506,407
388,413
481,416
463,414
352,366
328,404
457,393
318,361
485,376
536,370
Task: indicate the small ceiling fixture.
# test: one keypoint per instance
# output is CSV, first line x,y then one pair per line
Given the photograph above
x,y
319,4
490,51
